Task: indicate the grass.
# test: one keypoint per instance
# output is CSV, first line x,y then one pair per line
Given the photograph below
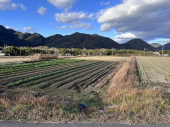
x,y
31,108
134,104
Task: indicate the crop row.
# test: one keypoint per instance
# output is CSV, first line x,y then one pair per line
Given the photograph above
x,y
96,79
19,67
42,75
64,75
153,70
70,77
41,70
142,72
88,80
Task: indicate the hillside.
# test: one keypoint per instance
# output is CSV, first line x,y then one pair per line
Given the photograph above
x,y
14,38
156,45
76,40
137,44
166,47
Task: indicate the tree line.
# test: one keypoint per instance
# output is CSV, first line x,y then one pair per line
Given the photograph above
x,y
25,51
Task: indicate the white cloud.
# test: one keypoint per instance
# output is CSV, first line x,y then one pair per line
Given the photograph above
x,y
42,10
7,4
29,29
22,7
76,19
147,19
124,37
167,40
81,25
66,4
105,3
8,27
70,17
61,27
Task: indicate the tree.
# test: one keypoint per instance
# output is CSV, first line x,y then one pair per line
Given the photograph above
x,y
63,51
12,50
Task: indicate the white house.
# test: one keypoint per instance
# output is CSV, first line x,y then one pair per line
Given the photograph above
x,y
156,53
2,53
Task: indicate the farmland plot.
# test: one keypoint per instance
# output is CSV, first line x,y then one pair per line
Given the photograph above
x,y
104,58
155,71
54,77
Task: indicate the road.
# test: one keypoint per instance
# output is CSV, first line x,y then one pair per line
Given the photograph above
x,y
24,124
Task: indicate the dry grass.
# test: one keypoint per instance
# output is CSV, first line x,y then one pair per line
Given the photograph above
x,y
45,56
21,59
14,60
103,58
43,109
135,105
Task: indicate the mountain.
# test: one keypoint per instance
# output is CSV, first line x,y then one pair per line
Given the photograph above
x,y
166,47
76,40
156,45
14,38
137,44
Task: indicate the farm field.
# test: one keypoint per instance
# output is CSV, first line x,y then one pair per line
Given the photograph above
x,y
51,78
49,91
104,58
34,88
155,72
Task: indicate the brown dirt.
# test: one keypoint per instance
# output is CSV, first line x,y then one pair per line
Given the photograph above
x,y
104,58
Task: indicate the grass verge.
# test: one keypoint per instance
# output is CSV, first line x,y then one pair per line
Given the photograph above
x,y
134,104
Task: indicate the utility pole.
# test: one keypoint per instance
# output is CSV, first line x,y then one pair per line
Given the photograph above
x,y
83,50
55,51
163,49
46,49
4,48
20,50
145,50
112,51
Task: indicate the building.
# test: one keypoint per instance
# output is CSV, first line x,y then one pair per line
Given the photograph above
x,y
2,53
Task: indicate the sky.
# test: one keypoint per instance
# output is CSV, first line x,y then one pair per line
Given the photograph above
x,y
120,20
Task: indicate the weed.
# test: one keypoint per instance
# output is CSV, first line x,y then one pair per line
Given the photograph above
x,y
138,105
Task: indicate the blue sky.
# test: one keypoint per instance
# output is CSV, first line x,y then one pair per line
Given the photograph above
x,y
120,20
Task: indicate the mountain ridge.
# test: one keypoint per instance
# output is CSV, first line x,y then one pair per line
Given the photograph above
x,y
75,40
156,45
137,44
166,47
